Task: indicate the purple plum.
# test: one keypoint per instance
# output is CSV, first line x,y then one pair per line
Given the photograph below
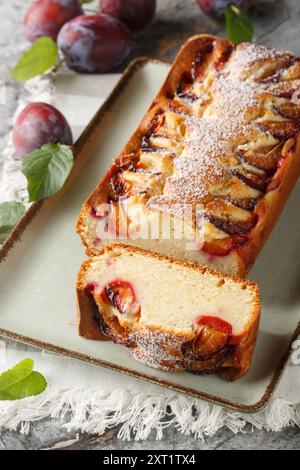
x,y
217,8
94,43
136,14
39,124
46,17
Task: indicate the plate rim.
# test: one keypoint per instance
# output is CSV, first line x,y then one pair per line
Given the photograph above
x,y
33,210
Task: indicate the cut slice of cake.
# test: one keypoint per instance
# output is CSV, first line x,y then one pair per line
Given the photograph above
x,y
170,314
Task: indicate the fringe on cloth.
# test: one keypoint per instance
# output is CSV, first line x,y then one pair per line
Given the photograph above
x,y
139,414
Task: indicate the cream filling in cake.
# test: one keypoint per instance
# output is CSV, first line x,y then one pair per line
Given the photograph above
x,y
169,296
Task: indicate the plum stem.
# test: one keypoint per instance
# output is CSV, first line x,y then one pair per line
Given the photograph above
x,y
59,65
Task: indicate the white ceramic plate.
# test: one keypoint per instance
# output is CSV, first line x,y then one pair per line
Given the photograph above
x,y
38,266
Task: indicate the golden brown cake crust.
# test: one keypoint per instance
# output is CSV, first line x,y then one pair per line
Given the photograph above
x,y
241,165
159,348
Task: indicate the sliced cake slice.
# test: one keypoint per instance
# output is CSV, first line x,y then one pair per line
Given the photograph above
x,y
170,314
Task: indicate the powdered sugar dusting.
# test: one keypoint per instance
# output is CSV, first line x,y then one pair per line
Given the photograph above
x,y
247,53
212,137
153,347
198,166
234,98
145,357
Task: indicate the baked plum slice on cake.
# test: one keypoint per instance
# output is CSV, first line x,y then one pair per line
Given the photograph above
x,y
120,295
170,314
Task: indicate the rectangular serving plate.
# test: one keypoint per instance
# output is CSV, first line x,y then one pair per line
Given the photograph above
x,y
39,262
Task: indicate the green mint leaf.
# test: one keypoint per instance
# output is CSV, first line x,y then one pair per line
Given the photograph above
x,y
46,170
238,26
10,213
86,1
21,381
42,55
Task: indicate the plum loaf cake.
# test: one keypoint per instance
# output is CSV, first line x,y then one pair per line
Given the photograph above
x,y
221,135
170,314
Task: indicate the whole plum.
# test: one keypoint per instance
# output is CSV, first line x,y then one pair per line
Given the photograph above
x,y
217,8
39,124
94,43
136,14
46,17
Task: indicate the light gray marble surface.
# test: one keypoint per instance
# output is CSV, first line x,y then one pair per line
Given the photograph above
x,y
277,24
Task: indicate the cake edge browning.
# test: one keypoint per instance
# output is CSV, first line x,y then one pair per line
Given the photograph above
x,y
160,349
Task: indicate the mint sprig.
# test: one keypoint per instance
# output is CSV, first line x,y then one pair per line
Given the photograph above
x,y
238,25
46,170
42,56
10,213
86,1
21,381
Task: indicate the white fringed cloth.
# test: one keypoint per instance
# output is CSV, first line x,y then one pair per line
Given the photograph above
x,y
92,400
85,397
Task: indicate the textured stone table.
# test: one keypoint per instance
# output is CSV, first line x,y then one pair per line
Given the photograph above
x,y
278,26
